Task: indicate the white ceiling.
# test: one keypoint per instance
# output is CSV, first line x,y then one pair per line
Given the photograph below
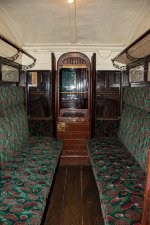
x,y
87,22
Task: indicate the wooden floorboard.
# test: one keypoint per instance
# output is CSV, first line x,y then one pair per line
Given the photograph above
x,y
72,207
53,216
91,208
74,199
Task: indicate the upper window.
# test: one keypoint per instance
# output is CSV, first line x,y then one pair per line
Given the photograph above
x,y
10,74
136,74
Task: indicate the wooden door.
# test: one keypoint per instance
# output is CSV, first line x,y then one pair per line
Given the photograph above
x,y
73,107
93,91
53,61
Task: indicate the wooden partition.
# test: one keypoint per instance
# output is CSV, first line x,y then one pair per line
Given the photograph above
x,y
39,102
108,102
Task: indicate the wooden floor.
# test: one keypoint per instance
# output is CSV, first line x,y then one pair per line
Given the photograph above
x,y
74,198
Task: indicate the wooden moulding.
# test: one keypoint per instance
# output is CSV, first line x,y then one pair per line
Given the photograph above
x,y
146,206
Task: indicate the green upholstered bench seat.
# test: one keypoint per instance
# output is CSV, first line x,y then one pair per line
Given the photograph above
x,y
28,164
26,180
119,163
119,179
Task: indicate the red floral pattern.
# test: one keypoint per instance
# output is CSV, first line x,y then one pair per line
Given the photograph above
x,y
119,164
27,164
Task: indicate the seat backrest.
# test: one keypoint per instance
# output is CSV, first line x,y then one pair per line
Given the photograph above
x,y
134,130
13,121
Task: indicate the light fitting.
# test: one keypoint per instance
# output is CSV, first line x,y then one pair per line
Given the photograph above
x,y
71,1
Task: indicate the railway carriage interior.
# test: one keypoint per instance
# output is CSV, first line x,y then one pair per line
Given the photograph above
x,y
75,112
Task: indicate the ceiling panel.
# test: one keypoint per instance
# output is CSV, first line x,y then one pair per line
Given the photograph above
x,y
93,22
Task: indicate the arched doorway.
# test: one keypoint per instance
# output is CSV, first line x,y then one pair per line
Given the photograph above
x,y
73,106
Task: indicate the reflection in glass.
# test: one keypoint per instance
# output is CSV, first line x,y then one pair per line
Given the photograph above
x,y
39,94
73,89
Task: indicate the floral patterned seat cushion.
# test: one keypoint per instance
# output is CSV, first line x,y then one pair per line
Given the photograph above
x,y
119,164
22,202
27,165
119,179
26,180
138,97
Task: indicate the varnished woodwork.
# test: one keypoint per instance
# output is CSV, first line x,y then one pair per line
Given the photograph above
x,y
72,58
72,210
74,113
75,138
75,149
53,61
74,199
39,101
93,93
73,135
79,142
108,93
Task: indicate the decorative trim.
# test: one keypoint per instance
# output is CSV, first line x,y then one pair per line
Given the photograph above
x,y
20,50
72,48
26,67
105,54
14,57
122,68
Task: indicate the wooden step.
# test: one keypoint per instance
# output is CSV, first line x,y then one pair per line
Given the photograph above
x,y
75,148
79,126
74,152
73,135
76,142
74,160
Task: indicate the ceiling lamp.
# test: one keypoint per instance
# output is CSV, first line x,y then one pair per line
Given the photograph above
x,y
71,1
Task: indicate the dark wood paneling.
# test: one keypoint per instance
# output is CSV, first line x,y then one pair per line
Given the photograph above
x,y
39,102
53,92
77,126
93,93
108,85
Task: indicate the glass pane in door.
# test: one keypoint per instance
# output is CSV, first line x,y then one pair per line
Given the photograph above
x,y
73,94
